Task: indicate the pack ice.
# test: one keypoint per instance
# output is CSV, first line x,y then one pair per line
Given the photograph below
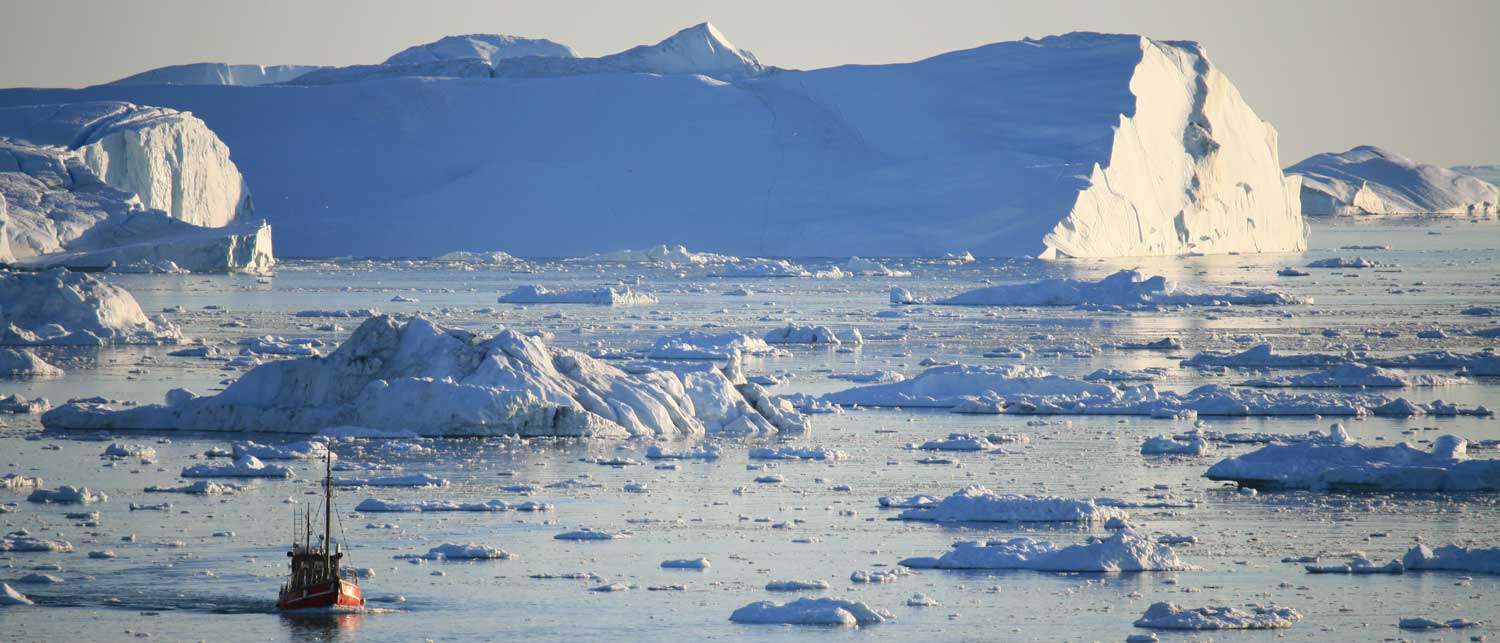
x,y
105,183
415,375
1372,180
1082,145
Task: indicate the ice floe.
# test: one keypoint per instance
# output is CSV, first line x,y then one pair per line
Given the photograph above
x,y
1424,623
375,505
9,596
592,534
697,344
73,308
625,296
1339,463
468,551
67,494
411,480
811,611
19,542
978,504
797,585
798,334
1357,376
1453,558
22,364
245,466
797,453
1125,289
199,488
1168,445
415,375
1168,616
1125,551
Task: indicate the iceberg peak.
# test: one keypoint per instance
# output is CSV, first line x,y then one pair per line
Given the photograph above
x,y
486,47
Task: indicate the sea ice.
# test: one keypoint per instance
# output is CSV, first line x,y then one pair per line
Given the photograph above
x,y
1124,551
245,466
22,364
74,308
1127,288
602,296
1453,558
1168,616
470,551
978,504
66,494
811,611
1338,463
374,505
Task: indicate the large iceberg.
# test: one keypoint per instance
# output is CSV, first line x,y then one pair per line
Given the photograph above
x,y
1372,180
486,47
59,307
1082,145
217,74
90,185
415,375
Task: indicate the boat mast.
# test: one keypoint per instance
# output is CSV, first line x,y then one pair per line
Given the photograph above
x,y
328,512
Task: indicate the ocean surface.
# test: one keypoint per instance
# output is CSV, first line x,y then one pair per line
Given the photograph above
x,y
208,568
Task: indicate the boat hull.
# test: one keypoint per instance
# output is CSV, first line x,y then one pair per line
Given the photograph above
x,y
337,593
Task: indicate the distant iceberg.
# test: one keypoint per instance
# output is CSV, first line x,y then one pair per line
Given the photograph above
x,y
1373,180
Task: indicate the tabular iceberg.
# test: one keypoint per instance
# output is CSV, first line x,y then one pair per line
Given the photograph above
x,y
1081,145
1372,180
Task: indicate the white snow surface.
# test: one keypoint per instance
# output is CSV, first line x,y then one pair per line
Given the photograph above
x,y
1083,145
217,74
484,46
1338,463
1124,551
978,504
71,308
1371,180
415,375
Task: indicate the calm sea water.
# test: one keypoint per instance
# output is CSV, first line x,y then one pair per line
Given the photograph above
x,y
178,580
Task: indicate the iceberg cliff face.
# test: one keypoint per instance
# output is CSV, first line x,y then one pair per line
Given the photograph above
x,y
1081,145
95,184
217,74
1372,180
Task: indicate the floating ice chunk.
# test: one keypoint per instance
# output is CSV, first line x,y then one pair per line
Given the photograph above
x,y
347,313
796,334
911,502
1422,623
1453,558
1163,344
1356,375
273,345
1167,616
39,579
795,453
1289,271
199,488
879,576
469,551
687,563
245,466
871,268
751,268
797,585
412,480
305,450
20,364
1127,288
415,375
66,494
602,296
74,308
1358,566
978,504
24,543
1166,445
1115,375
591,534
663,255
873,377
103,554
1125,551
946,386
921,600
1340,464
707,452
811,611
375,505
14,403
118,450
16,482
9,596
1344,262
697,344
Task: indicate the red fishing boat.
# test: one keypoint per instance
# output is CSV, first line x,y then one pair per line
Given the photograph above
x,y
317,579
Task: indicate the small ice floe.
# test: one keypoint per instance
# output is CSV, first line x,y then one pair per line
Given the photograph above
x,y
910,502
592,534
1175,539
797,334
1357,566
39,579
773,268
1116,375
165,506
869,268
1167,616
120,451
17,405
624,296
17,482
337,314
468,551
274,345
921,600
978,504
1453,558
960,442
1345,262
375,505
304,450
18,541
773,478
1356,376
1169,445
1124,289
9,596
421,480
1289,271
706,452
1125,551
403,299
66,494
879,576
610,588
902,297
103,554
1337,462
25,365
245,466
873,377
1422,623
811,611
199,488
703,345
797,585
794,453
685,563
636,487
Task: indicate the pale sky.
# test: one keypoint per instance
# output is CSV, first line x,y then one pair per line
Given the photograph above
x,y
1421,77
